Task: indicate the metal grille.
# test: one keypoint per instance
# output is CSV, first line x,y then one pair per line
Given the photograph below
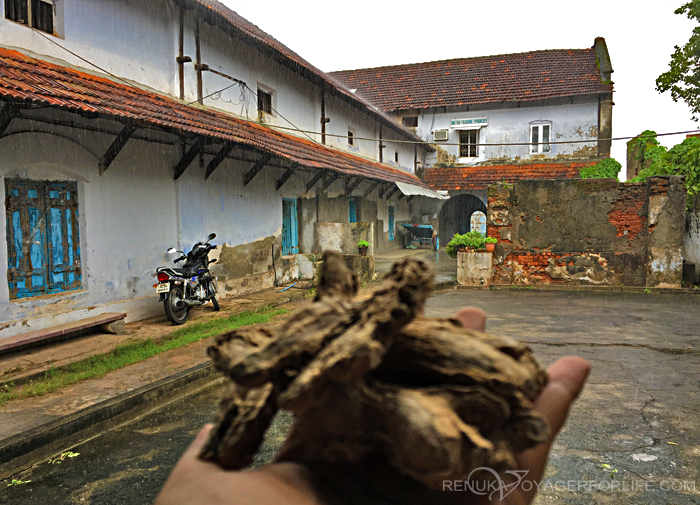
x,y
468,141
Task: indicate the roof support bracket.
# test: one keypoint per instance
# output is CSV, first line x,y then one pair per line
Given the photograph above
x,y
391,193
264,159
408,200
314,180
400,197
327,183
118,144
218,158
370,189
352,185
9,111
382,190
285,176
189,157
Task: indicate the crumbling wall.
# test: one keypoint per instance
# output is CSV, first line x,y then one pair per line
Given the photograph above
x,y
691,245
591,231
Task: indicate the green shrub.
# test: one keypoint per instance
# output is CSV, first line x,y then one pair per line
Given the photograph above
x,y
363,243
606,169
490,240
472,239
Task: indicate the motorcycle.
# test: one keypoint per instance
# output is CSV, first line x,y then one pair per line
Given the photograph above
x,y
180,289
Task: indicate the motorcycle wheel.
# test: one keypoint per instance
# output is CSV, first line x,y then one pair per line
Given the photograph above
x,y
215,303
176,310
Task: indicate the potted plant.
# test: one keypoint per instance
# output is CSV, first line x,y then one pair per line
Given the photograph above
x,y
363,245
471,240
490,243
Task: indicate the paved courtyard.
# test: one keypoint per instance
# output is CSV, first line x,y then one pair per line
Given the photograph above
x,y
632,438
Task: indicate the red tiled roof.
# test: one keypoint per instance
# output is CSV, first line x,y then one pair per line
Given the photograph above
x,y
503,78
252,34
31,80
481,177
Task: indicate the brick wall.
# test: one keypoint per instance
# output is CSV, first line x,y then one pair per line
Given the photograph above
x,y
593,231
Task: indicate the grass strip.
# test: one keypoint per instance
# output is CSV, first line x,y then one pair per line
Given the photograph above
x,y
128,354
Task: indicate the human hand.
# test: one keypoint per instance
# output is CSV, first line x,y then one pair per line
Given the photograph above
x,y
286,482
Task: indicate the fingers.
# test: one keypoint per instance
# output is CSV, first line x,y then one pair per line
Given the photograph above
x,y
472,318
566,379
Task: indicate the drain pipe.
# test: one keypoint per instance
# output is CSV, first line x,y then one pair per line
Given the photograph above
x,y
198,62
181,58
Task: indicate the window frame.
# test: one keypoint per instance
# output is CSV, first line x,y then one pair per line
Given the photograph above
x,y
472,147
28,8
409,119
51,219
351,137
263,92
540,147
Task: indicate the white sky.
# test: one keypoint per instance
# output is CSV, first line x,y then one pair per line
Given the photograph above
x,y
640,34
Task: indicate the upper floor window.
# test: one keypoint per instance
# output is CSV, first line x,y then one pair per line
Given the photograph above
x,y
38,14
396,158
264,101
351,138
468,143
540,136
410,122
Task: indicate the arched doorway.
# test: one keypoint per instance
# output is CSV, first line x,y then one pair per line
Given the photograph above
x,y
455,215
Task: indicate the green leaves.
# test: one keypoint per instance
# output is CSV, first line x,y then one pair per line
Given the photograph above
x,y
682,159
606,169
683,77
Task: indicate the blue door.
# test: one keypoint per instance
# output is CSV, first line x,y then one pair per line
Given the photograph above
x,y
352,211
290,241
391,223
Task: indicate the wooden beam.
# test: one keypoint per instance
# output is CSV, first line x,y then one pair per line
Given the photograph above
x,y
313,181
118,144
382,190
218,158
285,176
370,189
9,111
408,200
391,193
327,183
189,157
256,168
351,186
400,197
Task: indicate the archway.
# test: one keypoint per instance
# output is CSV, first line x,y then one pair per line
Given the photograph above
x,y
455,215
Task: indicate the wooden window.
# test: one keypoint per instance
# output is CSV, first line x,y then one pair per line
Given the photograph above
x,y
38,14
351,138
540,135
468,143
43,241
396,157
410,122
264,101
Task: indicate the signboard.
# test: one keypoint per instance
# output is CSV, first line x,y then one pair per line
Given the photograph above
x,y
476,122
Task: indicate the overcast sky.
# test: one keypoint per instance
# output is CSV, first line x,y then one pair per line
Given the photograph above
x,y
640,35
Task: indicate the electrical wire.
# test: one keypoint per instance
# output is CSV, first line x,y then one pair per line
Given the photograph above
x,y
306,132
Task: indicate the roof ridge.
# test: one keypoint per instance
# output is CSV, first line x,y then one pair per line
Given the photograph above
x,y
458,59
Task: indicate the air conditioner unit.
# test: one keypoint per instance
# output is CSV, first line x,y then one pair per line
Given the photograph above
x,y
441,134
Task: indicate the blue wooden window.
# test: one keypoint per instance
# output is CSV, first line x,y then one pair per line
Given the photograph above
x,y
290,241
352,211
391,223
43,242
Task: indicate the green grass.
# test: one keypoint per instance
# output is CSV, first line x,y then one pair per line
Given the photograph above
x,y
128,354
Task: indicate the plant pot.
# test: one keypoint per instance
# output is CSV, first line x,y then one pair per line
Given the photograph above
x,y
363,251
490,247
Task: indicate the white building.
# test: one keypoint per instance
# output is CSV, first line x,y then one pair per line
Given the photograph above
x,y
127,127
542,114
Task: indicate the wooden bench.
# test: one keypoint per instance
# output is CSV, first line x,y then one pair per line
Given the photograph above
x,y
111,322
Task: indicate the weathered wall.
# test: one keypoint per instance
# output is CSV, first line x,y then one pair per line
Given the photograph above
x,y
343,237
594,231
691,244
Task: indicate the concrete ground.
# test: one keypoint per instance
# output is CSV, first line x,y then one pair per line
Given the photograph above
x,y
632,437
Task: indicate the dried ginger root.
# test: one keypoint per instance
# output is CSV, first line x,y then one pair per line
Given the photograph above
x,y
373,377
